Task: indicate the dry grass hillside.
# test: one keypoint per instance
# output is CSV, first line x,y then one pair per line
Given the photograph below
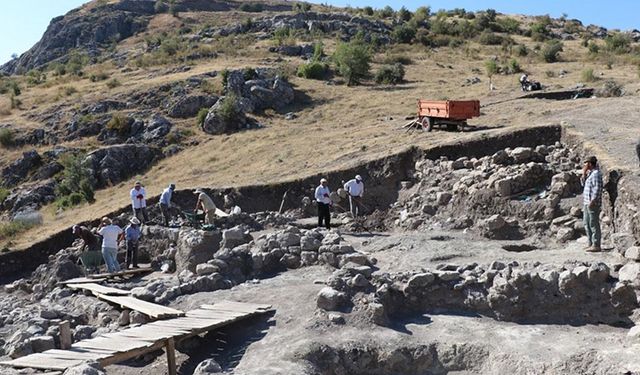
x,y
337,126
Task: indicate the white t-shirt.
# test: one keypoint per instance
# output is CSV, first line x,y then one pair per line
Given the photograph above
x,y
110,235
321,191
135,201
207,202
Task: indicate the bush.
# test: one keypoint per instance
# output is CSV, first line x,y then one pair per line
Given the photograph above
x,y
13,228
588,76
403,33
550,73
522,50
312,70
202,115
490,39
386,12
302,7
539,32
513,67
118,123
113,83
421,14
229,109
76,183
404,14
252,7
395,59
4,193
610,89
618,43
6,138
352,61
390,74
100,76
318,51
551,50
593,48
509,25
368,11
283,35
69,90
35,77
76,63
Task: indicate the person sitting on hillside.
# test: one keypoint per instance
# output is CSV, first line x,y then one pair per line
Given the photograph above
x,y
139,202
165,203
524,82
207,205
355,188
132,236
90,241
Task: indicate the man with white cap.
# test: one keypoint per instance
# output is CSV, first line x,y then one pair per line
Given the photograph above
x,y
139,201
355,188
165,203
207,205
132,236
323,199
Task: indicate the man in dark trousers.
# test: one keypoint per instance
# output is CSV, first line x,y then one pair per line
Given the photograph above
x,y
91,241
132,235
592,202
323,199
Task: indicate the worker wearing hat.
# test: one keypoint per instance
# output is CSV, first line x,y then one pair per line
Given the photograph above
x,y
139,201
323,199
111,235
165,203
132,234
355,188
592,202
207,205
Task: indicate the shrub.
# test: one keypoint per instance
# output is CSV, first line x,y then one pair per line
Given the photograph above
x,y
160,6
390,74
393,59
252,7
4,193
302,7
368,11
224,74
76,63
118,123
169,46
550,73
618,43
404,14
610,89
522,50
68,90
76,183
283,35
312,70
588,76
229,109
539,32
202,115
35,77
491,68
100,76
509,25
490,39
6,138
352,61
404,33
551,50
386,12
421,14
593,48
113,83
318,51
513,67
13,228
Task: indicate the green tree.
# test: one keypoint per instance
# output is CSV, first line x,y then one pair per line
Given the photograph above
x,y
491,68
421,14
404,14
353,61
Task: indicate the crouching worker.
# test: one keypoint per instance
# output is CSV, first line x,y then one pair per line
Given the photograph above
x,y
110,238
90,241
206,203
132,234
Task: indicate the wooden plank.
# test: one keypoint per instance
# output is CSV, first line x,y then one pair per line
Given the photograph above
x,y
151,309
100,289
43,362
65,335
122,273
82,280
171,356
74,354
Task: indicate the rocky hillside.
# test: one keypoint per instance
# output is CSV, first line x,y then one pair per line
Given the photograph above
x,y
221,93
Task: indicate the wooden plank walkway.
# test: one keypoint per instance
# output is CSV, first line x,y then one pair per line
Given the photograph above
x,y
122,273
152,310
100,289
120,346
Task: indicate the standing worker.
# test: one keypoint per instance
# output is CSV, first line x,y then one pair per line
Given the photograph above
x,y
324,203
207,205
139,202
355,188
165,203
592,202
110,237
132,234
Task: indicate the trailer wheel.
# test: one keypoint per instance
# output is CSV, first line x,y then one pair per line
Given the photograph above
x,y
427,123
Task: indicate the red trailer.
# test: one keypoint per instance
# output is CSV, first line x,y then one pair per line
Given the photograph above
x,y
452,113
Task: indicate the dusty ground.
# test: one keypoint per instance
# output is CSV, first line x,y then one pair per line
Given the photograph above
x,y
275,344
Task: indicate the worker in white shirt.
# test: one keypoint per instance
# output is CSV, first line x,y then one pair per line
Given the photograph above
x,y
139,202
355,188
323,199
206,203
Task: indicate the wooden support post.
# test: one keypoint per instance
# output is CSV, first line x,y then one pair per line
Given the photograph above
x,y
284,196
65,335
171,356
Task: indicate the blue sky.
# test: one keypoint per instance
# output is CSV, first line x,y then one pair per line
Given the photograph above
x,y
22,23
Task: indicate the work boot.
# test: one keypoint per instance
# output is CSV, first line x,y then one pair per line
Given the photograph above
x,y
593,249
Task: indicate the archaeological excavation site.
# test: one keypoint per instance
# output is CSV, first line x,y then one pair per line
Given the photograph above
x,y
469,260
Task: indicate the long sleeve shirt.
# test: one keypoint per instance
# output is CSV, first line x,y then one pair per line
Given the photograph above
x,y
593,186
138,198
165,198
355,188
322,194
132,233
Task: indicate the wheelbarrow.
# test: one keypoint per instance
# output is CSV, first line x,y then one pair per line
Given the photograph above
x,y
194,218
